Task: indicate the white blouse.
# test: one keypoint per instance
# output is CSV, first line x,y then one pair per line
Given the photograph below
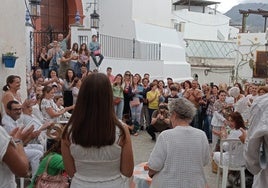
x,y
179,156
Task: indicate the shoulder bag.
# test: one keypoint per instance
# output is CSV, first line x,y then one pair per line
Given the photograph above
x,y
45,180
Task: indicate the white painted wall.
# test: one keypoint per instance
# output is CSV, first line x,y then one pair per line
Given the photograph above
x,y
13,38
179,71
202,26
215,76
116,18
248,42
156,12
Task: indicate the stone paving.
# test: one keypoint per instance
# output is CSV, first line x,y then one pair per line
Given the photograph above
x,y
143,145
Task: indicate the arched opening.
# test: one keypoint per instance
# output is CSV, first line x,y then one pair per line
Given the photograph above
x,y
57,15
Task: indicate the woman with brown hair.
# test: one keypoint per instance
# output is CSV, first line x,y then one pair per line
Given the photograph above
x,y
83,58
118,96
96,147
11,91
235,123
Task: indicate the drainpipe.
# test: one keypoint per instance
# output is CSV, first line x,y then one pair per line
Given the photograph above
x,y
265,22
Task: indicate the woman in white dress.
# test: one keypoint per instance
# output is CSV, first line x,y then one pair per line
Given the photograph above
x,y
180,154
96,147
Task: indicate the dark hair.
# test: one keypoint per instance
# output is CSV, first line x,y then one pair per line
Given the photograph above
x,y
67,77
10,103
76,50
45,90
145,79
237,118
86,49
240,87
121,79
109,68
10,79
56,98
188,82
55,148
222,91
93,121
94,36
49,73
173,88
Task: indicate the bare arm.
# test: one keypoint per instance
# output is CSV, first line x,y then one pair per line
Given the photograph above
x,y
6,98
53,113
67,157
15,158
127,162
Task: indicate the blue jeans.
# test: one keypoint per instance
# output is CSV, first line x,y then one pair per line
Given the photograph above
x,y
119,109
45,72
136,112
207,126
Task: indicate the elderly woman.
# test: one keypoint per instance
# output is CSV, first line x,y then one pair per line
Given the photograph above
x,y
180,154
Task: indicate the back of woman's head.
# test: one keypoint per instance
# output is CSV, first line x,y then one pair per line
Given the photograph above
x,y
238,119
93,120
10,79
183,109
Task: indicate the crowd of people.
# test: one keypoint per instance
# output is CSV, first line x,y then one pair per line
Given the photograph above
x,y
100,112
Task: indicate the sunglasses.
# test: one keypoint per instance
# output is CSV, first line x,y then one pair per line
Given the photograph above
x,y
127,74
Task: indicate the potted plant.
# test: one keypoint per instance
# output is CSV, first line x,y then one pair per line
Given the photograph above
x,y
9,59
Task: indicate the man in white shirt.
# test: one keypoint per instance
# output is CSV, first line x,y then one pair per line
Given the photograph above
x,y
10,121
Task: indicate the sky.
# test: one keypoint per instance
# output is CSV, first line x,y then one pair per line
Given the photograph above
x,y
228,4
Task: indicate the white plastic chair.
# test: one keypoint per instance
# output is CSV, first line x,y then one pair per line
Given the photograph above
x,y
21,182
231,158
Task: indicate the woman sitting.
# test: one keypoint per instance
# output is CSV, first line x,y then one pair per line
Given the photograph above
x,y
235,123
55,165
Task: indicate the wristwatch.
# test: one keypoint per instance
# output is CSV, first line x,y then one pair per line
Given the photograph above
x,y
18,141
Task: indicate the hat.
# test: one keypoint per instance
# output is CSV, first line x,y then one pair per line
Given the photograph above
x,y
54,84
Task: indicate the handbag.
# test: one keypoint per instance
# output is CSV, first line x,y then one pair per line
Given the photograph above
x,y
45,180
96,52
135,102
117,100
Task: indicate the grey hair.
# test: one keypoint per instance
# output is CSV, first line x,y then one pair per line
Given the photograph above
x,y
183,108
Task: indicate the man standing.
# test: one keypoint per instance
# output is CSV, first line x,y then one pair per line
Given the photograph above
x,y
109,74
94,47
54,56
194,95
64,41
257,139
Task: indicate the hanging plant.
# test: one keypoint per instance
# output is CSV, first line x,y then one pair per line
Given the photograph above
x,y
9,59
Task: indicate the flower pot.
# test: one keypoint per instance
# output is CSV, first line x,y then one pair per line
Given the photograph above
x,y
9,61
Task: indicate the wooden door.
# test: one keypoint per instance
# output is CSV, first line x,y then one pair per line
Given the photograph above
x,y
261,66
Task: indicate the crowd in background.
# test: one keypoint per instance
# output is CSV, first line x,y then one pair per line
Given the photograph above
x,y
142,103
